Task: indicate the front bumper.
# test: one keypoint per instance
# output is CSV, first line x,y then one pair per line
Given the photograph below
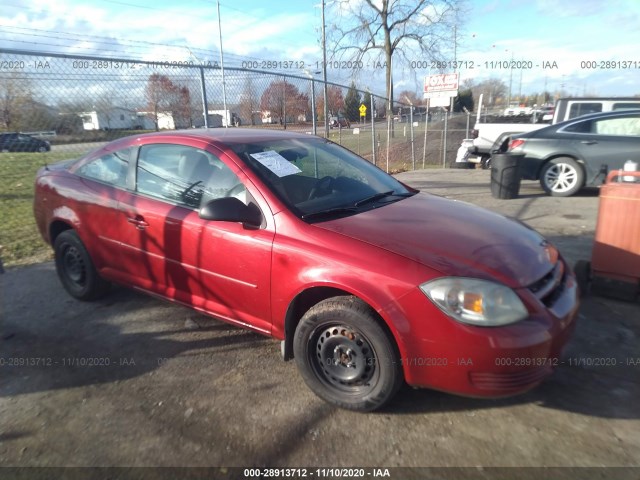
x,y
443,354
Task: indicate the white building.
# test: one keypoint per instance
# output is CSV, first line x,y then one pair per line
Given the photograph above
x,y
109,119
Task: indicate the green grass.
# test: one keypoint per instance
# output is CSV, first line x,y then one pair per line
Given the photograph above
x,y
19,237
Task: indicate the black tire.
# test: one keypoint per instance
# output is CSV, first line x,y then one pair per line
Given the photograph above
x,y
42,149
75,268
462,165
485,162
345,355
582,270
562,177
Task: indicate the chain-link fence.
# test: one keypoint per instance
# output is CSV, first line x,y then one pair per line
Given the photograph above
x,y
78,102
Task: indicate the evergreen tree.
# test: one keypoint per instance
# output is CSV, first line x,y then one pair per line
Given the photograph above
x,y
352,104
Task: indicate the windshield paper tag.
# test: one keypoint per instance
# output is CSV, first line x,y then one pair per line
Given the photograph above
x,y
276,163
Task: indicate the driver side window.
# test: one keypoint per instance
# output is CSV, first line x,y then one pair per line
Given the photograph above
x,y
185,175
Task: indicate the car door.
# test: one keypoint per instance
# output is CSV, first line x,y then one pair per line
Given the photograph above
x,y
102,181
7,142
606,143
221,268
22,143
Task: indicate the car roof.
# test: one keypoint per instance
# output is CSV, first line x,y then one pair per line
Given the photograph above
x,y
590,116
227,135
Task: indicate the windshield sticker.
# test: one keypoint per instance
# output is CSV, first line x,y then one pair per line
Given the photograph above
x,y
276,163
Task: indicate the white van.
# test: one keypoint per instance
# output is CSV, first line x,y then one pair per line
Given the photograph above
x,y
568,108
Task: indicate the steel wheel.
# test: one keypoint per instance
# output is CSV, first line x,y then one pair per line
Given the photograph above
x,y
562,177
75,268
346,356
345,359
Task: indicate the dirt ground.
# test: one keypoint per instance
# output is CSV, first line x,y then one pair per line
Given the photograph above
x,y
131,381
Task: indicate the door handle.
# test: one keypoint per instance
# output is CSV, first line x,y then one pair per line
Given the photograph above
x,y
138,221
589,142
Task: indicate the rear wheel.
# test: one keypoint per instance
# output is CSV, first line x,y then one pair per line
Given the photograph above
x,y
75,268
562,177
345,356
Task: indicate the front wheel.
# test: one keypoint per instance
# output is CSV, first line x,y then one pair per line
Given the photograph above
x,y
562,177
75,268
345,356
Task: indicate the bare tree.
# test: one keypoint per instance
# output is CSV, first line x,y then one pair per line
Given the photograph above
x,y
383,30
15,91
494,90
335,102
409,96
249,104
164,96
282,98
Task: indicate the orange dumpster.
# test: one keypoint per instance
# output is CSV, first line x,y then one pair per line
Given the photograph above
x,y
615,262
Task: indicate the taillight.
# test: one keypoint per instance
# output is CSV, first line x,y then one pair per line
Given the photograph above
x,y
515,143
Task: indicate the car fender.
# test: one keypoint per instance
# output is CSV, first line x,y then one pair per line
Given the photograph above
x,y
319,280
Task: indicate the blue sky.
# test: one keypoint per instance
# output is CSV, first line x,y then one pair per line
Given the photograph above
x,y
560,34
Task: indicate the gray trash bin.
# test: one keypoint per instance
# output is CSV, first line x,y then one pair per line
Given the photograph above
x,y
505,175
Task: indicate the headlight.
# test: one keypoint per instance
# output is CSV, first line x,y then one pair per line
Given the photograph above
x,y
476,302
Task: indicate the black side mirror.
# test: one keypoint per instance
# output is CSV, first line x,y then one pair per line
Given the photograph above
x,y
230,209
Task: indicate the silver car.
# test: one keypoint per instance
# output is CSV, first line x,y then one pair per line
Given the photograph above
x,y
568,156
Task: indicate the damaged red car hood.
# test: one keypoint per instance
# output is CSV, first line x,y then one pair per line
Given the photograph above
x,y
454,238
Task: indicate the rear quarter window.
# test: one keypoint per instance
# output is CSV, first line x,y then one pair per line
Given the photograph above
x,y
110,168
628,126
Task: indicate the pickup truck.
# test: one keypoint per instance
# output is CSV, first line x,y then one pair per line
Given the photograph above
x,y
494,132
488,137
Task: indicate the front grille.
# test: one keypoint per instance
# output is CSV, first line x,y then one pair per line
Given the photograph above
x,y
549,288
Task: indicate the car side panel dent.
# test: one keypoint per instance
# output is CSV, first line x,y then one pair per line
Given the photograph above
x,y
63,213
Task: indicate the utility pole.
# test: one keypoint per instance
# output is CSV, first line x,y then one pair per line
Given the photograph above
x,y
324,75
227,117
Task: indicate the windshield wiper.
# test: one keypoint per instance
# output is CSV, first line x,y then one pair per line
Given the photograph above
x,y
336,211
380,196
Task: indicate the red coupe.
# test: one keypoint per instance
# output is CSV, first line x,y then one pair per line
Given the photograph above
x,y
367,282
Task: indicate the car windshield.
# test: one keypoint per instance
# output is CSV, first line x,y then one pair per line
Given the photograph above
x,y
319,180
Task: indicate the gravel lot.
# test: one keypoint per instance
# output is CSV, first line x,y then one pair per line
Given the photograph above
x,y
133,381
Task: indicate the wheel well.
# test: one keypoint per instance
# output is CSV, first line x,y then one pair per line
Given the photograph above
x,y
56,228
301,304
